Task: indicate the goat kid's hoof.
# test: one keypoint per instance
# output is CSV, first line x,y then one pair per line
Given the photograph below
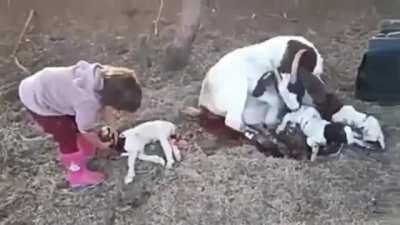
x,y
313,156
178,157
169,165
128,180
161,161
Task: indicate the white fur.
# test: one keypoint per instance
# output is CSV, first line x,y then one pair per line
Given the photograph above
x,y
313,126
289,98
139,136
371,129
231,80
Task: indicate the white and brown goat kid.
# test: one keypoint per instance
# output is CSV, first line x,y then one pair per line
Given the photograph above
x,y
240,88
318,131
131,143
308,89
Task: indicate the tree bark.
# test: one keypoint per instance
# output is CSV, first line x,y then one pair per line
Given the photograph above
x,y
177,52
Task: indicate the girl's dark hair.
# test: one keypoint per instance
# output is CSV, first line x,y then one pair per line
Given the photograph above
x,y
121,89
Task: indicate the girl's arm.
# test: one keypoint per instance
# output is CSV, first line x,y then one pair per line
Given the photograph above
x,y
86,117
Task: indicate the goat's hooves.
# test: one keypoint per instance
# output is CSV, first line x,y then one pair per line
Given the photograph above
x,y
169,166
178,157
313,157
128,180
161,162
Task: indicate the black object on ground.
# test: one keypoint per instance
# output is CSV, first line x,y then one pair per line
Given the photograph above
x,y
378,77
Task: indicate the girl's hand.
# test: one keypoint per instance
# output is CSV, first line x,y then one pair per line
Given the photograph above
x,y
105,145
95,140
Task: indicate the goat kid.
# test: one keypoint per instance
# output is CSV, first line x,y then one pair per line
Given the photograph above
x,y
134,140
371,131
318,131
302,87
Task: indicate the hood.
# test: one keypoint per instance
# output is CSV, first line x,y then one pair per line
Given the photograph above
x,y
87,75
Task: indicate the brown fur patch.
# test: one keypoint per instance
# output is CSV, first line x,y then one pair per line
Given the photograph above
x,y
313,85
307,61
295,143
330,106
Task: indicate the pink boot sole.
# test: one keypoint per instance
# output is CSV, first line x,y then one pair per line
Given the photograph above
x,y
85,178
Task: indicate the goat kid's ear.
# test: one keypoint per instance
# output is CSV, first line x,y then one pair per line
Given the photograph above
x,y
265,80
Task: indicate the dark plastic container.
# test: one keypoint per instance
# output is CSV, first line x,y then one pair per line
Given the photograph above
x,y
378,77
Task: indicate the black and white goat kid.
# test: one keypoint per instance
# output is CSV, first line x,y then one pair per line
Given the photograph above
x,y
305,88
133,141
318,131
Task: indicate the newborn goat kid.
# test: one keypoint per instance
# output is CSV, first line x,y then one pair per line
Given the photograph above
x,y
302,87
318,132
134,140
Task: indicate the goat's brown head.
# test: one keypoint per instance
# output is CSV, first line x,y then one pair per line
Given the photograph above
x,y
297,59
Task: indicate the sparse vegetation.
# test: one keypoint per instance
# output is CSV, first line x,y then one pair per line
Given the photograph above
x,y
217,182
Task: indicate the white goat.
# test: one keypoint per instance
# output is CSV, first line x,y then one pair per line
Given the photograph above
x,y
137,137
318,131
242,79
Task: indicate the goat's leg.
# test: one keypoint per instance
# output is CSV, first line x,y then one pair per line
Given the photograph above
x,y
131,167
314,149
151,158
281,127
275,107
175,150
362,144
166,146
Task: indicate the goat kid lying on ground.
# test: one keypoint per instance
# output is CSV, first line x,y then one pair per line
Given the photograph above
x,y
318,131
134,140
305,88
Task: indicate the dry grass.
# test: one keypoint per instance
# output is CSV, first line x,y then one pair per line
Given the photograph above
x,y
228,185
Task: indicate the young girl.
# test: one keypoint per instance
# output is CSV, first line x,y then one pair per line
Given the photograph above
x,y
67,101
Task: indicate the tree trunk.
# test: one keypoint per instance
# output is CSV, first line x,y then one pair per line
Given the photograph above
x,y
177,52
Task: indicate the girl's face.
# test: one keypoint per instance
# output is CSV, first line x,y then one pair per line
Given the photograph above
x,y
111,115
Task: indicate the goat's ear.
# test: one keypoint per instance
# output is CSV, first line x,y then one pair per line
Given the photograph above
x,y
313,85
262,83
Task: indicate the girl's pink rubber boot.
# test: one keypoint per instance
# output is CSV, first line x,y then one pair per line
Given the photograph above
x,y
78,175
84,146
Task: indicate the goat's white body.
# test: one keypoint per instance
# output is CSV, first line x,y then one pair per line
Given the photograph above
x,y
145,133
226,89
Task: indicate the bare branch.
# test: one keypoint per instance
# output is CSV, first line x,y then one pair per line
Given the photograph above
x,y
157,20
23,31
19,65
